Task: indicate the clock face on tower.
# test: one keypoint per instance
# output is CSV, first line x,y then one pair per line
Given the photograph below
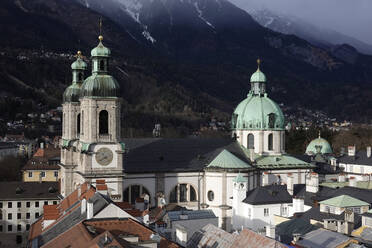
x,y
104,156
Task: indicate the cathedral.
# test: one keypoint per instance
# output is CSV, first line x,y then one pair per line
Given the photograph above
x,y
198,173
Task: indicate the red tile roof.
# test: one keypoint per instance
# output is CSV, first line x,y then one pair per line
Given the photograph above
x,y
255,240
101,187
100,181
124,205
113,229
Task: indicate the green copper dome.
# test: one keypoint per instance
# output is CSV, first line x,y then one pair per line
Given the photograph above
x,y
321,144
98,85
258,113
100,50
79,64
258,76
72,93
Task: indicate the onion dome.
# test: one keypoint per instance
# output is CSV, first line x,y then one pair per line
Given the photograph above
x,y
79,64
258,113
319,145
100,50
72,93
98,85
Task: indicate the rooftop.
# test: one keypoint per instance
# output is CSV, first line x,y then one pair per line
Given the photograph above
x,y
271,194
359,158
29,190
191,214
344,201
323,238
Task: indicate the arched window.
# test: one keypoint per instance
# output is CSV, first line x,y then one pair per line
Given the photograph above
x,y
78,124
271,120
82,122
103,122
183,193
102,65
270,142
80,76
250,141
133,192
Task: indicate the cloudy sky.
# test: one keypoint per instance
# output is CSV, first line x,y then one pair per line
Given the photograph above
x,y
351,17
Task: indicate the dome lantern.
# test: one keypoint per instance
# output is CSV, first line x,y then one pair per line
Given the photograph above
x,y
72,93
258,81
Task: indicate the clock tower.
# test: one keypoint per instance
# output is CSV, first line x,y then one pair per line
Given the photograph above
x,y
97,153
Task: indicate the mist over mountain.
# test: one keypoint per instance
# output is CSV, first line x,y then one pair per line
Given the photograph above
x,y
176,57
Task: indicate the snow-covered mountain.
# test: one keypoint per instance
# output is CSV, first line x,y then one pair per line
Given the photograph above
x,y
317,35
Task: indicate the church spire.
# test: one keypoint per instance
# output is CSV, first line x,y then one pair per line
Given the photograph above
x,y
100,55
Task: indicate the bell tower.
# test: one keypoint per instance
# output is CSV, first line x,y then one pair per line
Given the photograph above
x,y
97,153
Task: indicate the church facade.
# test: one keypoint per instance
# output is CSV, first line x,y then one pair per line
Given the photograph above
x,y
193,172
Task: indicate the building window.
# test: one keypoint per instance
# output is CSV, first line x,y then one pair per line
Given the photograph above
x,y
19,204
133,192
54,202
210,195
19,238
284,211
9,216
36,215
9,204
1,215
182,193
1,228
19,228
28,204
28,216
250,141
82,122
78,124
102,65
10,228
1,205
36,204
103,122
30,174
27,227
80,76
266,212
42,174
271,120
249,213
19,216
270,142
46,203
56,174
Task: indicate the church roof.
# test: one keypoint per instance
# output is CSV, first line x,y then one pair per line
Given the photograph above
x,y
178,155
281,162
227,160
254,111
98,85
258,76
322,144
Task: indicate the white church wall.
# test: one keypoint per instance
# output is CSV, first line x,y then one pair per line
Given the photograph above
x,y
214,184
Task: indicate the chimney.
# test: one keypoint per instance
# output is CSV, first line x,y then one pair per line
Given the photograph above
x,y
265,178
352,182
251,154
42,145
369,150
296,237
89,210
341,178
365,178
270,231
79,191
298,205
312,182
290,183
83,206
351,151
